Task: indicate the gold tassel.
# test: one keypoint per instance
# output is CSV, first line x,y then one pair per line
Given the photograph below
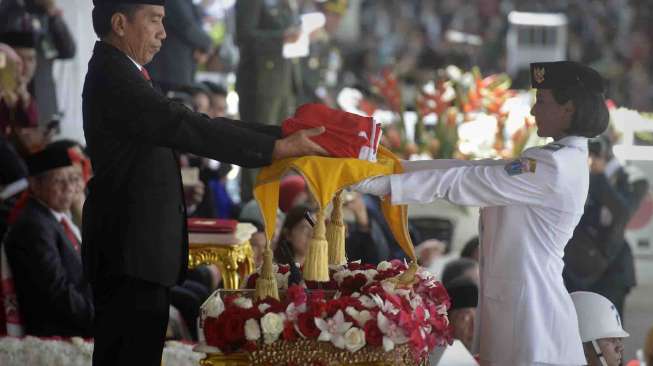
x,y
335,233
266,283
316,266
406,279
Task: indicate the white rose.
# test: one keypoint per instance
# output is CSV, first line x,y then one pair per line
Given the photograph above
x,y
252,330
263,307
243,303
370,274
213,306
272,325
384,266
354,339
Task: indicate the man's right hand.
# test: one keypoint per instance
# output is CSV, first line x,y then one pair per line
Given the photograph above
x,y
299,144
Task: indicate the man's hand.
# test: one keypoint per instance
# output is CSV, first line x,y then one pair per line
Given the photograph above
x,y
299,144
377,186
291,35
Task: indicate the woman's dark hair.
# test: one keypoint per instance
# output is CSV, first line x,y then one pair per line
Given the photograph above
x,y
284,252
470,247
591,116
103,12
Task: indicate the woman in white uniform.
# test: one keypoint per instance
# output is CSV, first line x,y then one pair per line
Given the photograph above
x,y
529,209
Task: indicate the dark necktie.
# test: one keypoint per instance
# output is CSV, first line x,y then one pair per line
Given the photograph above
x,y
70,235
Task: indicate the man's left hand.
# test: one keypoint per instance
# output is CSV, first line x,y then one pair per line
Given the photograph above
x,y
299,144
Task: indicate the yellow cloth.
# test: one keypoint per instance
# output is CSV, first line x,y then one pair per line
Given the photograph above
x,y
326,176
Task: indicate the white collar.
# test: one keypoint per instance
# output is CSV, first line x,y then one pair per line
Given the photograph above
x,y
62,216
135,63
58,215
576,141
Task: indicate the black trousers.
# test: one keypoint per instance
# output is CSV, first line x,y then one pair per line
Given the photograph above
x,y
131,318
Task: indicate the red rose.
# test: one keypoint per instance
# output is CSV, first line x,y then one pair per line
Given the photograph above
x,y
348,301
353,266
275,305
373,334
283,268
289,333
306,325
250,346
332,307
353,284
231,325
297,295
417,342
212,333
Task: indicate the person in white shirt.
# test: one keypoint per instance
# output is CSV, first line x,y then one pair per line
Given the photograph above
x,y
529,209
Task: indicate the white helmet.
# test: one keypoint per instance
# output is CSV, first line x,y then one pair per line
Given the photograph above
x,y
597,317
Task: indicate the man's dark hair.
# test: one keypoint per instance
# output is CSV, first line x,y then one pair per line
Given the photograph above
x,y
470,247
102,14
456,269
591,116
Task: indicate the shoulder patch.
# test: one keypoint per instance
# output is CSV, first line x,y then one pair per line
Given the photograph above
x,y
553,146
520,166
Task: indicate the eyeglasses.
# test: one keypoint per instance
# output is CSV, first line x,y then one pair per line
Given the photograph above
x,y
73,180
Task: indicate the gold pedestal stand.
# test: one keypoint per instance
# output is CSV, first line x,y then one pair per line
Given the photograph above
x,y
233,261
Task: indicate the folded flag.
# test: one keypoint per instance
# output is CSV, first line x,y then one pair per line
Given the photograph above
x,y
347,135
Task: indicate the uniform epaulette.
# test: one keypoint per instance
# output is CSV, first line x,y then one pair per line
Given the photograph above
x,y
553,146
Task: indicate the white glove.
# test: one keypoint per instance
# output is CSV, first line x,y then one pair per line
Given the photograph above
x,y
378,186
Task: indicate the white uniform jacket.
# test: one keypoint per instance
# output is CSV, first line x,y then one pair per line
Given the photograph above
x,y
530,207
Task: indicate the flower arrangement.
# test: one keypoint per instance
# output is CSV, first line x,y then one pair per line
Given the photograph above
x,y
361,308
460,114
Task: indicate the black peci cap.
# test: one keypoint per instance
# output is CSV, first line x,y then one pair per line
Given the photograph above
x,y
135,2
51,157
19,39
564,74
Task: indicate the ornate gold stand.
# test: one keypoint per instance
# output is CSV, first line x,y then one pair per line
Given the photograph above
x,y
233,261
307,352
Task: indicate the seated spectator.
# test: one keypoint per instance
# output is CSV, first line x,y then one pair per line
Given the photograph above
x,y
471,250
252,215
295,234
200,98
461,267
218,99
462,314
430,255
292,192
43,250
17,107
600,329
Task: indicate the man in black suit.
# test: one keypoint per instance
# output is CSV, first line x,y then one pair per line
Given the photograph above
x,y
134,222
43,250
186,44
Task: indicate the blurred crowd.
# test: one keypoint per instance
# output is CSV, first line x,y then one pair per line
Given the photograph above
x,y
414,37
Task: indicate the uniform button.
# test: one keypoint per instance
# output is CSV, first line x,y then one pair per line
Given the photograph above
x,y
269,65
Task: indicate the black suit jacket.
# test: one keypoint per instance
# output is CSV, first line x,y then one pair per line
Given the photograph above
x,y
134,220
53,295
174,66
